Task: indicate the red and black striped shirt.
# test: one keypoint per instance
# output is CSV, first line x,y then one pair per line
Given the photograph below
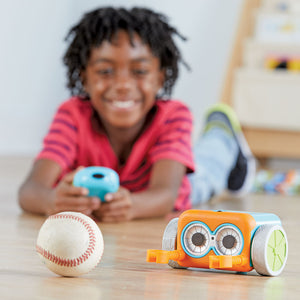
x,y
72,142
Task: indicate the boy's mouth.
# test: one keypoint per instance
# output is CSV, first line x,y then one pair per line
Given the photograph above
x,y
123,104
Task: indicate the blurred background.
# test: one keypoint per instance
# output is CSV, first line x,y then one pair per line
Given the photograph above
x,y
32,75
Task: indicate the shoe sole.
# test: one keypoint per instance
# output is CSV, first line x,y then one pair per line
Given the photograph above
x,y
237,132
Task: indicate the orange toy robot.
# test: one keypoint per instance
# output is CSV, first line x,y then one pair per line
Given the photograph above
x,y
227,240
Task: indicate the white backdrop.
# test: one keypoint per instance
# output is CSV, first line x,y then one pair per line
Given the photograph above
x,y
32,76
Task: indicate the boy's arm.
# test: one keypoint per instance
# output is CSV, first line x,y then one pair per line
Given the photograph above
x,y
160,197
37,194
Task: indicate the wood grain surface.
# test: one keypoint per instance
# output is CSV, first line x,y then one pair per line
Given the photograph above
x,y
123,272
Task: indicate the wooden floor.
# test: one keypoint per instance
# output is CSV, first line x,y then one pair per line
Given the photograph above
x,y
123,272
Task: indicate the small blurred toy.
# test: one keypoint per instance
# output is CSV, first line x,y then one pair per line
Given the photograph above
x,y
286,183
226,240
98,180
283,62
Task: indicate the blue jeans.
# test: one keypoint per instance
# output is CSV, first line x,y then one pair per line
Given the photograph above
x,y
215,154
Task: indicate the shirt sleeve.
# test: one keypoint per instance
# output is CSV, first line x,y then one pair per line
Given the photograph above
x,y
60,143
174,141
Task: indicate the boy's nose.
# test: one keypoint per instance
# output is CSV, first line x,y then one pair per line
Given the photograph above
x,y
122,80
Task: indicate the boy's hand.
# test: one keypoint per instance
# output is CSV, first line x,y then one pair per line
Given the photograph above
x,y
117,208
67,197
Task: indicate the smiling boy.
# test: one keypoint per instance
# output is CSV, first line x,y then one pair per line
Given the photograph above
x,y
122,65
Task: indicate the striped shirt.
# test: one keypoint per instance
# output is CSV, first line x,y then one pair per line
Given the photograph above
x,y
72,141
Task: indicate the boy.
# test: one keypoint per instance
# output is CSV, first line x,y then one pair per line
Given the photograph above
x,y
121,64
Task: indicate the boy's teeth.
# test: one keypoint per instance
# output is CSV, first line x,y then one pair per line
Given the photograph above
x,y
123,104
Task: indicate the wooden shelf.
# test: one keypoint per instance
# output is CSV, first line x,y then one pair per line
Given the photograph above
x,y
266,143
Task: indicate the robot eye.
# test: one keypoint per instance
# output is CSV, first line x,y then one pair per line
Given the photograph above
x,y
196,239
229,240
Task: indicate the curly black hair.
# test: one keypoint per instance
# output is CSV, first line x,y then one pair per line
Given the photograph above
x,y
103,23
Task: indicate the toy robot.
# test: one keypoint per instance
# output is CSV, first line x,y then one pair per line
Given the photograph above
x,y
225,240
98,180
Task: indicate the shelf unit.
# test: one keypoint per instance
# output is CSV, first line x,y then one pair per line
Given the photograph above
x,y
270,133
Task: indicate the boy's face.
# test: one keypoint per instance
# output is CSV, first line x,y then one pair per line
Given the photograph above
x,y
122,81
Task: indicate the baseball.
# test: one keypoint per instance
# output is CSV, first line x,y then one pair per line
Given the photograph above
x,y
70,244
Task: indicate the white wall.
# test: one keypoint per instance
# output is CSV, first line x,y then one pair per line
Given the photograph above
x,y
32,75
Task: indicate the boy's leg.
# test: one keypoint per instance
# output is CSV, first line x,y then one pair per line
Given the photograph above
x,y
223,158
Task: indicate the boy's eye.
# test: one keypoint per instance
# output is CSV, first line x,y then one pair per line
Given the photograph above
x,y
105,71
140,71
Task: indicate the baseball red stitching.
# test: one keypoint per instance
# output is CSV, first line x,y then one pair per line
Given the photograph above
x,y
76,261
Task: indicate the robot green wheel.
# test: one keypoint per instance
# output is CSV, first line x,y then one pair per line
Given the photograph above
x,y
269,250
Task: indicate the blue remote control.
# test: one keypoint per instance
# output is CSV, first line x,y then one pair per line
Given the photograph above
x,y
98,180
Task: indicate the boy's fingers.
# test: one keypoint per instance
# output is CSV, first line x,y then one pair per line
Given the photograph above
x,y
79,203
115,216
121,193
66,190
96,202
76,190
70,176
117,206
109,197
